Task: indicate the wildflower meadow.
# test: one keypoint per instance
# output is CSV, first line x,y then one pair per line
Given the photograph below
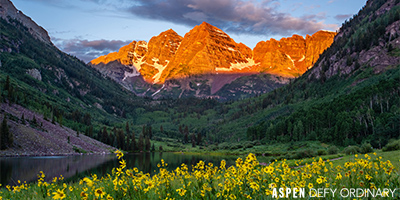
x,y
366,176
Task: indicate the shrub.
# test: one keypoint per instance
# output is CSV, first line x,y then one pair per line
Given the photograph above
x,y
392,146
321,152
333,150
308,153
366,148
352,150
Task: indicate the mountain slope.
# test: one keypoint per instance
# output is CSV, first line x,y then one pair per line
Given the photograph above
x,y
64,90
7,10
350,96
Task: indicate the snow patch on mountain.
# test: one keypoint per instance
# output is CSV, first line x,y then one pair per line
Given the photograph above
x,y
237,66
160,69
131,74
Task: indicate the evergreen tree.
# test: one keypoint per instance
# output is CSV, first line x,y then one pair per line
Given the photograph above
x,y
90,133
140,144
121,139
34,122
133,143
23,119
193,140
147,144
186,135
104,136
198,138
6,138
7,85
127,128
149,132
180,129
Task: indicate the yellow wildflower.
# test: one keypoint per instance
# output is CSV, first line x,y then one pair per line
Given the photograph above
x,y
59,194
119,154
99,193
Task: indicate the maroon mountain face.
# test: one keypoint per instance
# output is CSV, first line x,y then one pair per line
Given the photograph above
x,y
291,56
208,50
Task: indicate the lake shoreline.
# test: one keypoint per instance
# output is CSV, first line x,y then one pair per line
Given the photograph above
x,y
51,154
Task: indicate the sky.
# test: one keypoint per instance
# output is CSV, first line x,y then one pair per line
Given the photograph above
x,y
88,29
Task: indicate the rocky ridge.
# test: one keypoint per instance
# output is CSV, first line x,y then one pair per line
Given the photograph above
x,y
8,11
208,50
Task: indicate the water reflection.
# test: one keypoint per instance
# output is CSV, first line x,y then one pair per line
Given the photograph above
x,y
75,167
27,168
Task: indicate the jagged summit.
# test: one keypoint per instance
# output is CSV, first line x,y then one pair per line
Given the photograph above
x,y
207,49
8,10
203,50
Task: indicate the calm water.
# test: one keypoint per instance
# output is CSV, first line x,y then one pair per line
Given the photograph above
x,y
75,167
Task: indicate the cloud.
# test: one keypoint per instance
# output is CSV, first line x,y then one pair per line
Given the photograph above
x,y
88,50
236,16
343,17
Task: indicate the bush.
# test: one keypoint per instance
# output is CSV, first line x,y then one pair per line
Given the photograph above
x,y
366,148
321,152
333,150
392,146
351,150
248,145
308,153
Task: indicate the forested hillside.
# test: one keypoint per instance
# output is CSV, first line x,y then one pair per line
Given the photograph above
x,y
350,96
352,93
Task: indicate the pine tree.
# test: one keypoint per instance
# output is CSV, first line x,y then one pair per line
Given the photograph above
x,y
134,145
198,138
193,140
186,135
90,133
149,132
140,144
121,139
127,128
147,144
23,119
104,135
34,122
4,134
7,85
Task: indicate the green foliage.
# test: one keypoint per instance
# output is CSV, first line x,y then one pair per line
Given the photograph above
x,y
308,153
366,148
392,146
322,152
352,150
333,150
78,150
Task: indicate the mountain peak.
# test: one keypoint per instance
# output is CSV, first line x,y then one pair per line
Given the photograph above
x,y
8,10
207,49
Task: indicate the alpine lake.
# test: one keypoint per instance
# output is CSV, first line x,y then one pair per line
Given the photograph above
x,y
72,168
